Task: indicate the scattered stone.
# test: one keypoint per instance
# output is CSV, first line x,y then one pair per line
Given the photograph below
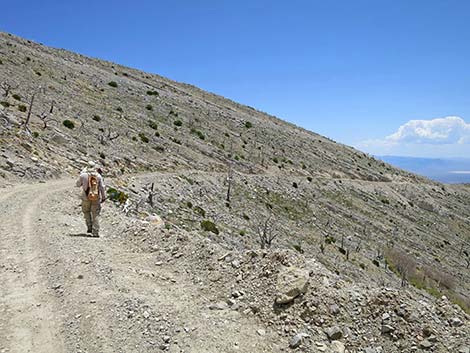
x,y
456,322
334,333
218,306
425,344
387,329
261,332
334,309
297,340
291,282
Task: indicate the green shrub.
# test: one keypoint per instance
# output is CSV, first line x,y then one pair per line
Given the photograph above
x,y
119,109
198,133
17,97
152,93
1,62
149,107
113,84
178,123
116,195
172,112
5,104
96,118
246,217
275,160
248,124
143,138
153,125
330,240
189,204
68,124
157,134
35,134
22,108
385,201
309,178
242,232
200,211
209,226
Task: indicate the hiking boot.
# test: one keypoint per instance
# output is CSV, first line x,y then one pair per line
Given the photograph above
x,y
89,231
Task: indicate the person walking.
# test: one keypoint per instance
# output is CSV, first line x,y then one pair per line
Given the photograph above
x,y
92,195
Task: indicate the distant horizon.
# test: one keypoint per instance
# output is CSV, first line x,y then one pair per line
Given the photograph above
x,y
383,78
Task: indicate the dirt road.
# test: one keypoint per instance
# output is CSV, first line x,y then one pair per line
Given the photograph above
x,y
61,291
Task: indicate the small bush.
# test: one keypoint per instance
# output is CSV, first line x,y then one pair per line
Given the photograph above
x,y
22,108
152,93
5,104
246,217
102,155
153,125
149,107
275,160
309,178
96,118
35,134
157,134
119,109
143,138
242,232
330,240
116,195
17,97
189,204
200,211
68,124
172,112
209,226
178,123
113,84
198,133
248,124
1,62
295,185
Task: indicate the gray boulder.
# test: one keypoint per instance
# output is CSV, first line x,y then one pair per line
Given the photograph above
x,y
291,282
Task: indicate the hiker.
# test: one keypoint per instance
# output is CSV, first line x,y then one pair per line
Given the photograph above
x,y
92,195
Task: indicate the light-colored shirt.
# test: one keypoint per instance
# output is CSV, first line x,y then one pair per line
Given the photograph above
x,y
83,183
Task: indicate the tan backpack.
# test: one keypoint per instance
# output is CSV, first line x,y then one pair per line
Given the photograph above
x,y
93,191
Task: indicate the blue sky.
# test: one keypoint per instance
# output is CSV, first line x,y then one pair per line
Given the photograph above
x,y
355,71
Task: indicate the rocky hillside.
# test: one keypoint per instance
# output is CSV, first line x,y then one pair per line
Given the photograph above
x,y
326,245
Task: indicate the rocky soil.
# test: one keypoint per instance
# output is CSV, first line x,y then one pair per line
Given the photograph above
x,y
196,182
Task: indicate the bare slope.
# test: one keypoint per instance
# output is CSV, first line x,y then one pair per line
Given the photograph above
x,y
367,222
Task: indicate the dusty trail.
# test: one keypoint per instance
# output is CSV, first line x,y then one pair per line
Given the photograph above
x,y
62,291
28,322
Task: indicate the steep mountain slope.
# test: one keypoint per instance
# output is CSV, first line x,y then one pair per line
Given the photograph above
x,y
356,221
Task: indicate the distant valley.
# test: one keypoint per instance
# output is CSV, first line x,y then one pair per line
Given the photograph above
x,y
445,170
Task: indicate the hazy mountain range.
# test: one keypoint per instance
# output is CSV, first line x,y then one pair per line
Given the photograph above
x,y
446,170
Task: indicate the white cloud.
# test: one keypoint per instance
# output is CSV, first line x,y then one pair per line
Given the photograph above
x,y
447,137
448,130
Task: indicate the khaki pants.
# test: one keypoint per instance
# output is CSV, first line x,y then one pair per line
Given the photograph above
x,y
91,211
